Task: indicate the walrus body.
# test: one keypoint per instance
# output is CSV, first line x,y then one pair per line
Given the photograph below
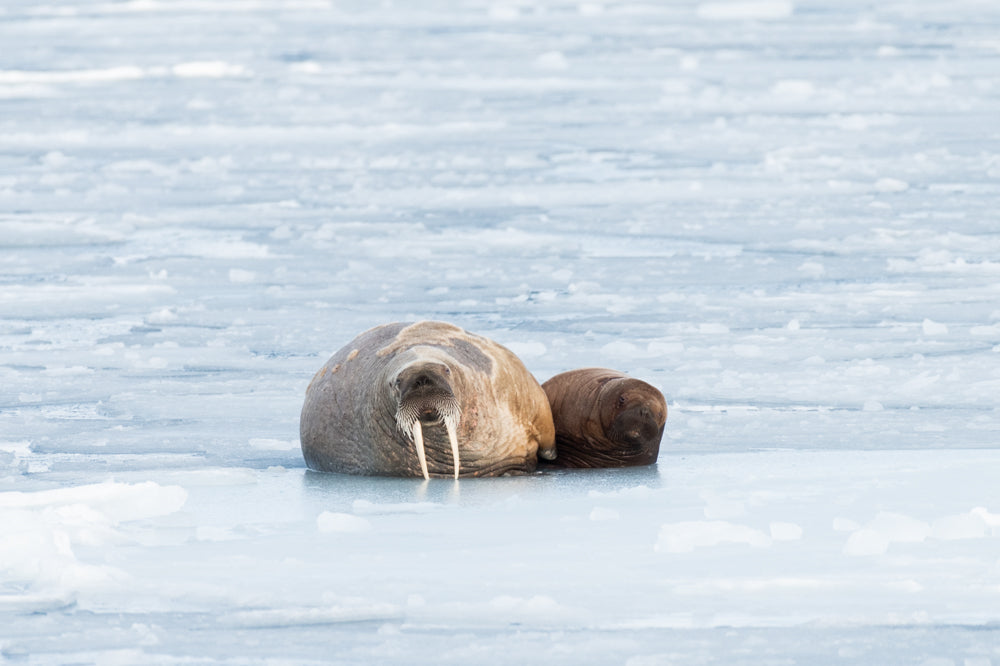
x,y
425,399
604,418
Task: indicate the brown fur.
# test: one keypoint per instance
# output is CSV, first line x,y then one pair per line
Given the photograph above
x,y
348,421
604,418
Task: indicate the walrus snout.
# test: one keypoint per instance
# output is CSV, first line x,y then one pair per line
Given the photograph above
x,y
425,397
425,378
637,425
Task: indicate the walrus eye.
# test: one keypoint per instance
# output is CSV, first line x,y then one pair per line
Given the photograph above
x,y
621,401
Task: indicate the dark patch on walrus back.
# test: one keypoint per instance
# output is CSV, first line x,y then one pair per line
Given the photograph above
x,y
471,356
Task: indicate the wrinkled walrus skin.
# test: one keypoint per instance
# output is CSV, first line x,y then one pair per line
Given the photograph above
x,y
468,401
604,418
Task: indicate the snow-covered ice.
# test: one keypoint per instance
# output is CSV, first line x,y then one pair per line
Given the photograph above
x,y
782,214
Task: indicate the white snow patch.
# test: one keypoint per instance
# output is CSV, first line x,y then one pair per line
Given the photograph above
x,y
891,185
761,10
265,444
240,276
107,75
537,607
813,269
504,12
118,501
748,351
215,533
213,69
845,525
785,531
552,60
600,514
162,316
934,328
722,508
886,528
620,349
19,448
664,348
991,519
226,249
985,331
64,371
41,530
329,521
687,536
900,527
527,348
215,477
794,89
962,526
866,542
294,617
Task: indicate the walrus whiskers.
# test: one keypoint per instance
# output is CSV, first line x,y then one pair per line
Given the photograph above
x,y
409,423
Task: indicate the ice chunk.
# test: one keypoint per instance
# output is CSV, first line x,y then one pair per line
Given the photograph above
x,y
601,513
294,617
785,531
528,348
867,541
685,537
329,521
213,69
891,185
886,528
962,526
553,60
934,328
761,10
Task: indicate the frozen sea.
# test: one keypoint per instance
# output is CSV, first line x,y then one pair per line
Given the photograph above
x,y
783,214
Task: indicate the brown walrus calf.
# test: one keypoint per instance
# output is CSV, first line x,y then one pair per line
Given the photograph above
x,y
425,399
604,418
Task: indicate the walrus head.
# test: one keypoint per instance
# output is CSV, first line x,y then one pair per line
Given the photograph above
x,y
604,418
633,415
425,396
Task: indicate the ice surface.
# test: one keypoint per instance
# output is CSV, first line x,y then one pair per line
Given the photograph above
x,y
783,214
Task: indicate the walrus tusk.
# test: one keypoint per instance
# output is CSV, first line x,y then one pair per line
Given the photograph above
x,y
418,440
453,438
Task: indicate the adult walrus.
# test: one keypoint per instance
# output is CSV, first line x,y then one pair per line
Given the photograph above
x,y
604,418
426,399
